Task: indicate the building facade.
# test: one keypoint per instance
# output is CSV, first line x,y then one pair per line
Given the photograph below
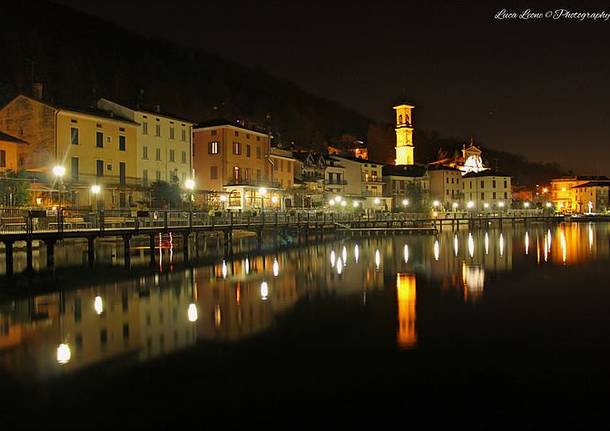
x,y
407,185
163,143
10,150
568,197
487,190
404,135
445,185
93,146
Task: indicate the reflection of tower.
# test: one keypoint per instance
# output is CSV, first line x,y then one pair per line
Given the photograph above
x,y
405,286
404,135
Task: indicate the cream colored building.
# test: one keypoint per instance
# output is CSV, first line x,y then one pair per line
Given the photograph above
x,y
163,143
487,190
446,185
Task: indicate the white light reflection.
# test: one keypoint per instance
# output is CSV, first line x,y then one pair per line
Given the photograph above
x,y
486,243
590,236
405,253
546,249
356,253
501,245
344,255
264,290
192,313
247,266
339,266
564,247
470,245
63,354
98,305
437,250
527,243
377,259
224,269
549,240
455,245
276,267
333,258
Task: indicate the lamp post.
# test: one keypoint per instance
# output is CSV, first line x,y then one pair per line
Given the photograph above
x,y
59,172
223,198
95,190
262,191
190,186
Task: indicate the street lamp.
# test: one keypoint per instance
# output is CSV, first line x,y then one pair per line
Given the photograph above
x,y
549,205
95,190
377,201
435,204
223,198
501,204
405,203
355,204
470,205
262,191
485,205
454,205
189,184
526,204
59,172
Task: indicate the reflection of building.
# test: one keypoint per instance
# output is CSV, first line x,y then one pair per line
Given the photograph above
x,y
406,295
473,277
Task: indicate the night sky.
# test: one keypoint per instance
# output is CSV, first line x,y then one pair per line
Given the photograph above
x,y
536,87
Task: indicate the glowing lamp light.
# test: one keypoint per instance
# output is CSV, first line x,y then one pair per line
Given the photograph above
x,y
501,204
98,305
274,199
192,313
435,204
470,204
223,198
333,258
549,205
59,171
485,205
337,199
355,204
63,354
377,201
526,204
189,184
405,202
96,189
331,202
262,191
377,258
454,205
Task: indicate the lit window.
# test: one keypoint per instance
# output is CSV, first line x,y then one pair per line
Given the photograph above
x,y
213,147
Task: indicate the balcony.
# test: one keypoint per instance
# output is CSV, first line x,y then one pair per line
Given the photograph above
x,y
253,183
371,180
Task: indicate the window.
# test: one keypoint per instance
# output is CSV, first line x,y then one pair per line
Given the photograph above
x,y
505,185
145,177
482,184
236,133
145,153
122,174
121,143
494,195
184,157
248,150
74,168
213,133
183,135
158,154
2,159
74,135
158,130
505,196
171,133
213,172
99,167
213,147
258,152
482,195
493,184
172,155
236,148
158,175
236,175
447,180
99,139
145,128
258,138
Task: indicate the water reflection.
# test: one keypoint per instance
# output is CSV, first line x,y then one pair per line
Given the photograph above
x,y
48,335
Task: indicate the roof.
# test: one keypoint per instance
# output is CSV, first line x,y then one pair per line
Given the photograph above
x,y
10,138
437,167
485,173
601,183
356,159
224,122
404,170
150,110
81,110
583,178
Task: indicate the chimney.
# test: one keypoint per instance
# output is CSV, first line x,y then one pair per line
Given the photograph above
x,y
37,90
157,108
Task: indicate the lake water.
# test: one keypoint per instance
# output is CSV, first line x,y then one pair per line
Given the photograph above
x,y
485,328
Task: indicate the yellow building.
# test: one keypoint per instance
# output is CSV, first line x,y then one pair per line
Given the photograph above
x,y
163,142
404,135
283,172
445,185
572,195
10,149
93,146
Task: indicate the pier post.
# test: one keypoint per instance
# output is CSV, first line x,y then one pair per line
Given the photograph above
x,y
91,250
126,255
186,238
50,243
28,254
151,245
9,257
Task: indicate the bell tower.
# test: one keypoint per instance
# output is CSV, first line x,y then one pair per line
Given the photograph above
x,y
404,135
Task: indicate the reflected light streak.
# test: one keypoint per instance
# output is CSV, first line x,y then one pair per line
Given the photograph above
x,y
356,253
590,236
406,337
527,243
98,305
501,244
455,245
549,240
339,266
437,250
377,258
247,266
546,249
276,267
564,248
470,245
192,313
405,253
344,255
224,269
333,258
264,290
473,277
486,243
63,354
